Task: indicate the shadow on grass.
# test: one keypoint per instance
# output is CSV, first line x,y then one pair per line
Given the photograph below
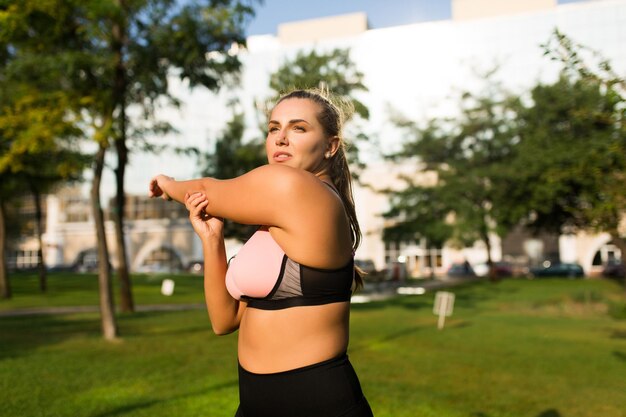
x,y
618,334
408,331
548,413
133,325
24,333
21,334
620,355
123,410
472,294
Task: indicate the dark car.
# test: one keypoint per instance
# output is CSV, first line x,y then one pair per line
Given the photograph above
x,y
569,270
614,270
500,269
196,266
461,270
366,265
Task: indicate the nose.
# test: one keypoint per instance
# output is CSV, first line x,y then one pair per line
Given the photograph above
x,y
281,138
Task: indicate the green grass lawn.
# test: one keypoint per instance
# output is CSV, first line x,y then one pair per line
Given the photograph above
x,y
68,289
518,348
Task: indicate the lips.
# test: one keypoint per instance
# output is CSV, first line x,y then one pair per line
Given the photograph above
x,y
281,156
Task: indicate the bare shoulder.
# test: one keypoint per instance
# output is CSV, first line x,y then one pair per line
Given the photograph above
x,y
293,183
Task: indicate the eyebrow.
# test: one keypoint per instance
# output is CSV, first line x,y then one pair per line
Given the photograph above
x,y
291,122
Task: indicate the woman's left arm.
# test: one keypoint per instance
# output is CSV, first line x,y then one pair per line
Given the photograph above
x,y
268,195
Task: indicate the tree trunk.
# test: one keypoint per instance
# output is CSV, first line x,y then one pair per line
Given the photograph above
x,y
126,294
620,242
119,94
107,316
41,264
491,273
5,286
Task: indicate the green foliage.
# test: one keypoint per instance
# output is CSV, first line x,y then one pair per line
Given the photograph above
x,y
232,158
578,126
463,156
569,159
37,136
417,212
108,55
333,70
553,160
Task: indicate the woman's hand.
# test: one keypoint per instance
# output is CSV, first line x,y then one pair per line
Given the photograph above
x,y
205,225
155,189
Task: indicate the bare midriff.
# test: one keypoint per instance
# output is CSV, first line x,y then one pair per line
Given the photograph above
x,y
279,340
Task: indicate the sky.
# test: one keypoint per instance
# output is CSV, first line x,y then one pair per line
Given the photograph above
x,y
380,13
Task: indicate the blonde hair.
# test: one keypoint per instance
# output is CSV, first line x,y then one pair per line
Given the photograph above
x,y
334,111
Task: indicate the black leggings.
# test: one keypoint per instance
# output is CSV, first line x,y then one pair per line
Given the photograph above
x,y
326,389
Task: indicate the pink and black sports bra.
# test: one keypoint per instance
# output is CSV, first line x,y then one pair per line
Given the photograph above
x,y
264,276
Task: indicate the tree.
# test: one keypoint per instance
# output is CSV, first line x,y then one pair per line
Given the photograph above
x,y
38,140
50,46
5,191
232,158
150,41
37,132
333,70
465,155
570,166
115,54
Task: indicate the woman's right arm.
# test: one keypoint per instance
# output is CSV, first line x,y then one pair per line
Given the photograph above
x,y
224,311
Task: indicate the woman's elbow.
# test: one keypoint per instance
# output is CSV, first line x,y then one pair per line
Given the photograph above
x,y
223,330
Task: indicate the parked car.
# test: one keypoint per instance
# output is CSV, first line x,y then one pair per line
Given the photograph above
x,y
461,270
569,270
366,265
614,270
196,266
394,271
500,269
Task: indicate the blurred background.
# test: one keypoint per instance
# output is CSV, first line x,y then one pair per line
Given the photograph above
x,y
487,138
488,150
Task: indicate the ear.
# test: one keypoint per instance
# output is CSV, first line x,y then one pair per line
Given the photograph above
x,y
333,145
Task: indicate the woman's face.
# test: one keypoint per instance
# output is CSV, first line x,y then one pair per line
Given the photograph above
x,y
295,137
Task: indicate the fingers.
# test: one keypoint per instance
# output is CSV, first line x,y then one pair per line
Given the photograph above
x,y
191,200
195,203
153,188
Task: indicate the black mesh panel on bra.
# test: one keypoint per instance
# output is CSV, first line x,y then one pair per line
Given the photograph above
x,y
301,285
290,283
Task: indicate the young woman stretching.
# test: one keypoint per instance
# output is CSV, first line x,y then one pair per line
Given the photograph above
x,y
288,289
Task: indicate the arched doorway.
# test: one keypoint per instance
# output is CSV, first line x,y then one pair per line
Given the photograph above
x,y
606,258
86,261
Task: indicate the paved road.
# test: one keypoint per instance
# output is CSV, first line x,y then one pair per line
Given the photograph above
x,y
387,289
371,292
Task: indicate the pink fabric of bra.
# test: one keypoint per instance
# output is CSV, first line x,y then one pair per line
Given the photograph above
x,y
261,258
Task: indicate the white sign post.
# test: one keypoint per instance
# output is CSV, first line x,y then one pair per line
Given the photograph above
x,y
444,304
167,287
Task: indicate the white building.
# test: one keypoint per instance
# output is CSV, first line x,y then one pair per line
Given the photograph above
x,y
414,69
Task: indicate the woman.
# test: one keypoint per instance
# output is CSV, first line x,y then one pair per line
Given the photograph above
x,y
288,289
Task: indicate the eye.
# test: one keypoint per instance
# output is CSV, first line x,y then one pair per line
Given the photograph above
x,y
272,129
299,128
